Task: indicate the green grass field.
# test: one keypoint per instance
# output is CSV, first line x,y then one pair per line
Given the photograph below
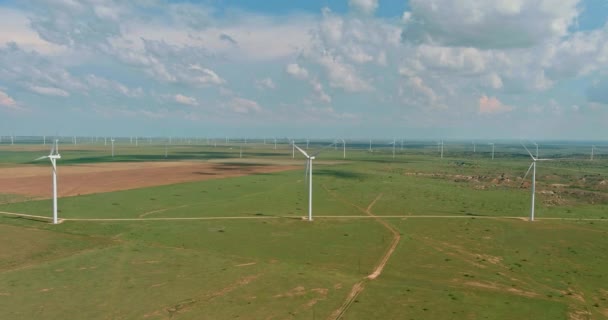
x,y
462,254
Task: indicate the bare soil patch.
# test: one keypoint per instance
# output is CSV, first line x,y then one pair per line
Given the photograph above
x,y
35,181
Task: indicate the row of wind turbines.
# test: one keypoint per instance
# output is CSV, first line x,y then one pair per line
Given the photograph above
x,y
54,155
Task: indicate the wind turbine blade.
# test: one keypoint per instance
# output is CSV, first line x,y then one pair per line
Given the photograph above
x,y
43,157
322,149
302,151
526,175
530,153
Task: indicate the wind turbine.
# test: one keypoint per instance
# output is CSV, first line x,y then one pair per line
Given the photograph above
x,y
394,143
53,156
112,142
492,144
474,146
440,147
592,151
533,167
370,145
275,143
309,159
307,142
343,148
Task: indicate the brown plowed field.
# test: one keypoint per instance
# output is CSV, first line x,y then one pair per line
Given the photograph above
x,y
35,181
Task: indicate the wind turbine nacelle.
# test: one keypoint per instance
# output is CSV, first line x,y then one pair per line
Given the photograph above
x,y
312,158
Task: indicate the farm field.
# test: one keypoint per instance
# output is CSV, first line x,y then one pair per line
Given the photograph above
x,y
206,234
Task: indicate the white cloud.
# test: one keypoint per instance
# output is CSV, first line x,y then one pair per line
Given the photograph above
x,y
206,76
490,24
493,80
7,101
97,82
190,101
296,71
342,75
364,6
318,88
15,27
491,105
49,91
265,83
242,105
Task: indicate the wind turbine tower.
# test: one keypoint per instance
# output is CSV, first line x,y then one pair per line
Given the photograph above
x,y
533,167
309,159
53,156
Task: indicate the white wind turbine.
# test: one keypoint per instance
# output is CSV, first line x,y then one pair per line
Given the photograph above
x,y
440,147
343,148
112,141
474,146
592,152
53,156
533,167
309,159
492,144
394,143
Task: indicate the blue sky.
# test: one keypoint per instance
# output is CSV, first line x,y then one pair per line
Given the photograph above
x,y
323,68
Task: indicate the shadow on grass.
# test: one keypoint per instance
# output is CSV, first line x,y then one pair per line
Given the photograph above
x,y
340,174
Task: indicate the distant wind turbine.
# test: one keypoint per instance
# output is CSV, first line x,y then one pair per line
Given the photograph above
x,y
592,152
112,141
492,144
343,148
533,167
309,159
53,156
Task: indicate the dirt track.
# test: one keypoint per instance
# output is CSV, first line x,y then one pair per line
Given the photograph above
x,y
35,181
